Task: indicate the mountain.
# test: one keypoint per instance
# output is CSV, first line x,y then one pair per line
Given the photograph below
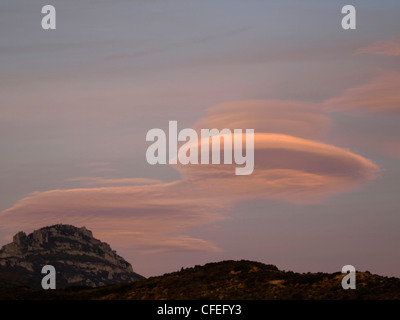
x,y
79,259
229,280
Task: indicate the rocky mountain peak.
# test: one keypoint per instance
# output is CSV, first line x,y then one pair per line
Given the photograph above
x,y
79,258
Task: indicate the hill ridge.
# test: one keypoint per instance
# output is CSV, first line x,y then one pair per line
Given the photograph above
x,y
232,280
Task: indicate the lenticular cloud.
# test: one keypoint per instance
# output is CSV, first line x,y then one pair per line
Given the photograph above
x,y
290,166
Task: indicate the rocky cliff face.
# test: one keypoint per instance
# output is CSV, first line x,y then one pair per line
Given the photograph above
x,y
79,258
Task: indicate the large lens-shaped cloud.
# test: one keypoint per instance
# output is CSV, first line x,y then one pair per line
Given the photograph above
x,y
286,168
156,216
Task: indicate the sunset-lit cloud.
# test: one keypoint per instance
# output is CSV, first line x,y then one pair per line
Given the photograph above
x,y
99,170
108,181
386,48
96,167
152,215
286,169
142,217
306,120
93,164
379,95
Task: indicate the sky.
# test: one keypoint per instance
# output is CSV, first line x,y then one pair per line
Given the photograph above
x,y
76,104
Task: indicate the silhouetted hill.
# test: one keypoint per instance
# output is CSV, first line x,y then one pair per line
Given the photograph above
x,y
230,280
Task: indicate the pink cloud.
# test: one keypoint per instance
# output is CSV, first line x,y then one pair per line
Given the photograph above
x,y
286,169
386,48
154,216
98,170
108,181
142,217
93,164
381,94
307,120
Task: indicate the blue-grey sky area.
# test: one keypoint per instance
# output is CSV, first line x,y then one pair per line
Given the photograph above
x,y
76,104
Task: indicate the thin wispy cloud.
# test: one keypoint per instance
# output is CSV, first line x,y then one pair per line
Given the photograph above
x,y
385,48
93,164
108,181
379,95
178,44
